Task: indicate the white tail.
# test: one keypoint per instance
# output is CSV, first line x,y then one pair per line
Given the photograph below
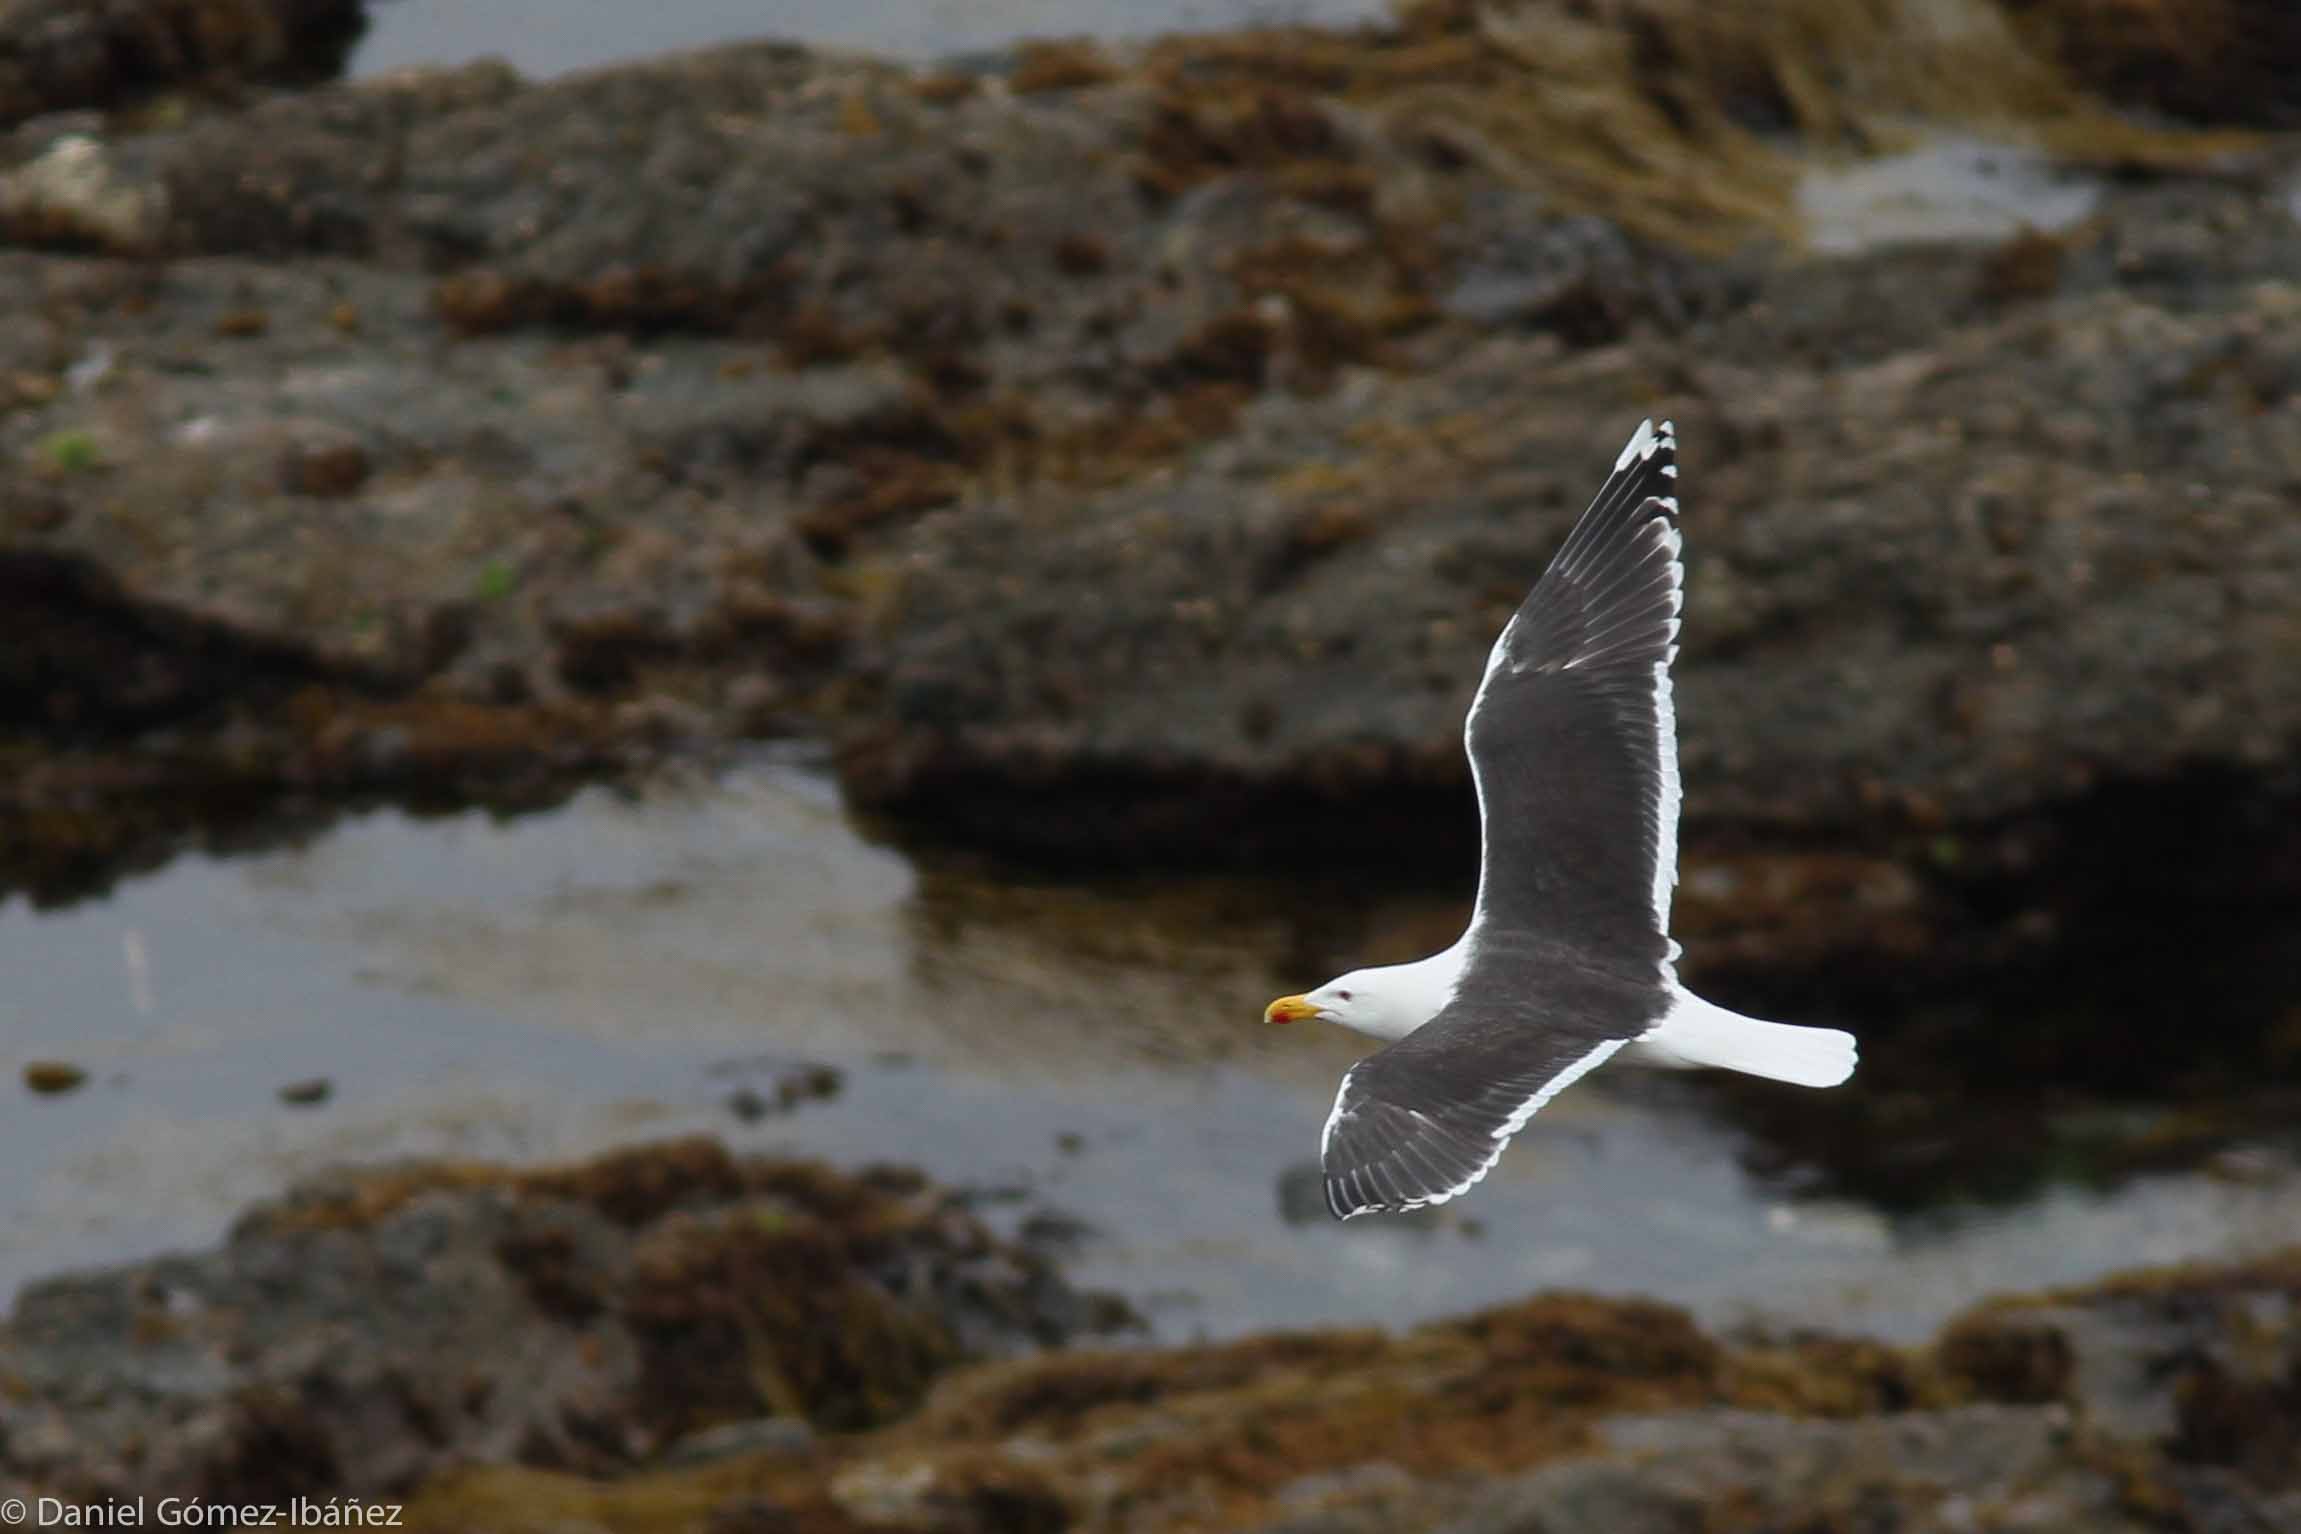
x,y
1695,1032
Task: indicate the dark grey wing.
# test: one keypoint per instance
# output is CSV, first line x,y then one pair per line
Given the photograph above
x,y
1572,737
1573,747
1420,1121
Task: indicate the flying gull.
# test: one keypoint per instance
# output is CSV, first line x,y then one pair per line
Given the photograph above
x,y
1567,960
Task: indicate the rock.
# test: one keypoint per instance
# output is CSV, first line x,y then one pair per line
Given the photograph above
x,y
371,1328
53,1078
1970,1468
309,1093
772,1084
757,1436
2211,61
1133,469
1559,1413
58,55
324,468
758,705
2201,1357
74,194
1990,529
1922,665
815,1083
885,1494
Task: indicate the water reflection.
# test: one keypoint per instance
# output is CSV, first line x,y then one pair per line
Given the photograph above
x,y
619,968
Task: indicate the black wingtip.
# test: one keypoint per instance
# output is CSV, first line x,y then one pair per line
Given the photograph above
x,y
1647,441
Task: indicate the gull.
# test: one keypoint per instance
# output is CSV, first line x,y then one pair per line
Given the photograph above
x,y
1567,961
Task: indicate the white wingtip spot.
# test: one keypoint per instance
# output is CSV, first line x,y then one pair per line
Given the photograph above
x,y
1669,471
1641,446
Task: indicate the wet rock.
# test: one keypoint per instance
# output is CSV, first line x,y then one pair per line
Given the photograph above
x,y
375,1327
1248,300
72,194
759,705
1584,281
2201,1358
53,1078
240,324
1052,1231
758,1435
774,1085
1562,1412
812,1084
57,55
89,660
1059,65
324,567
605,648
2212,61
324,468
1976,1467
1940,652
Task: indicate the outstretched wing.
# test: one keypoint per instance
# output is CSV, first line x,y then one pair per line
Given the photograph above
x,y
1422,1120
1573,747
1572,739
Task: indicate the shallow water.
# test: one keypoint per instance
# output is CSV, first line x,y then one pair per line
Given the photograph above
x,y
540,38
617,969
1951,187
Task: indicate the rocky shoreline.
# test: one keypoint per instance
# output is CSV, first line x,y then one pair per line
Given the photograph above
x,y
371,1328
1156,435
671,1338
1119,459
